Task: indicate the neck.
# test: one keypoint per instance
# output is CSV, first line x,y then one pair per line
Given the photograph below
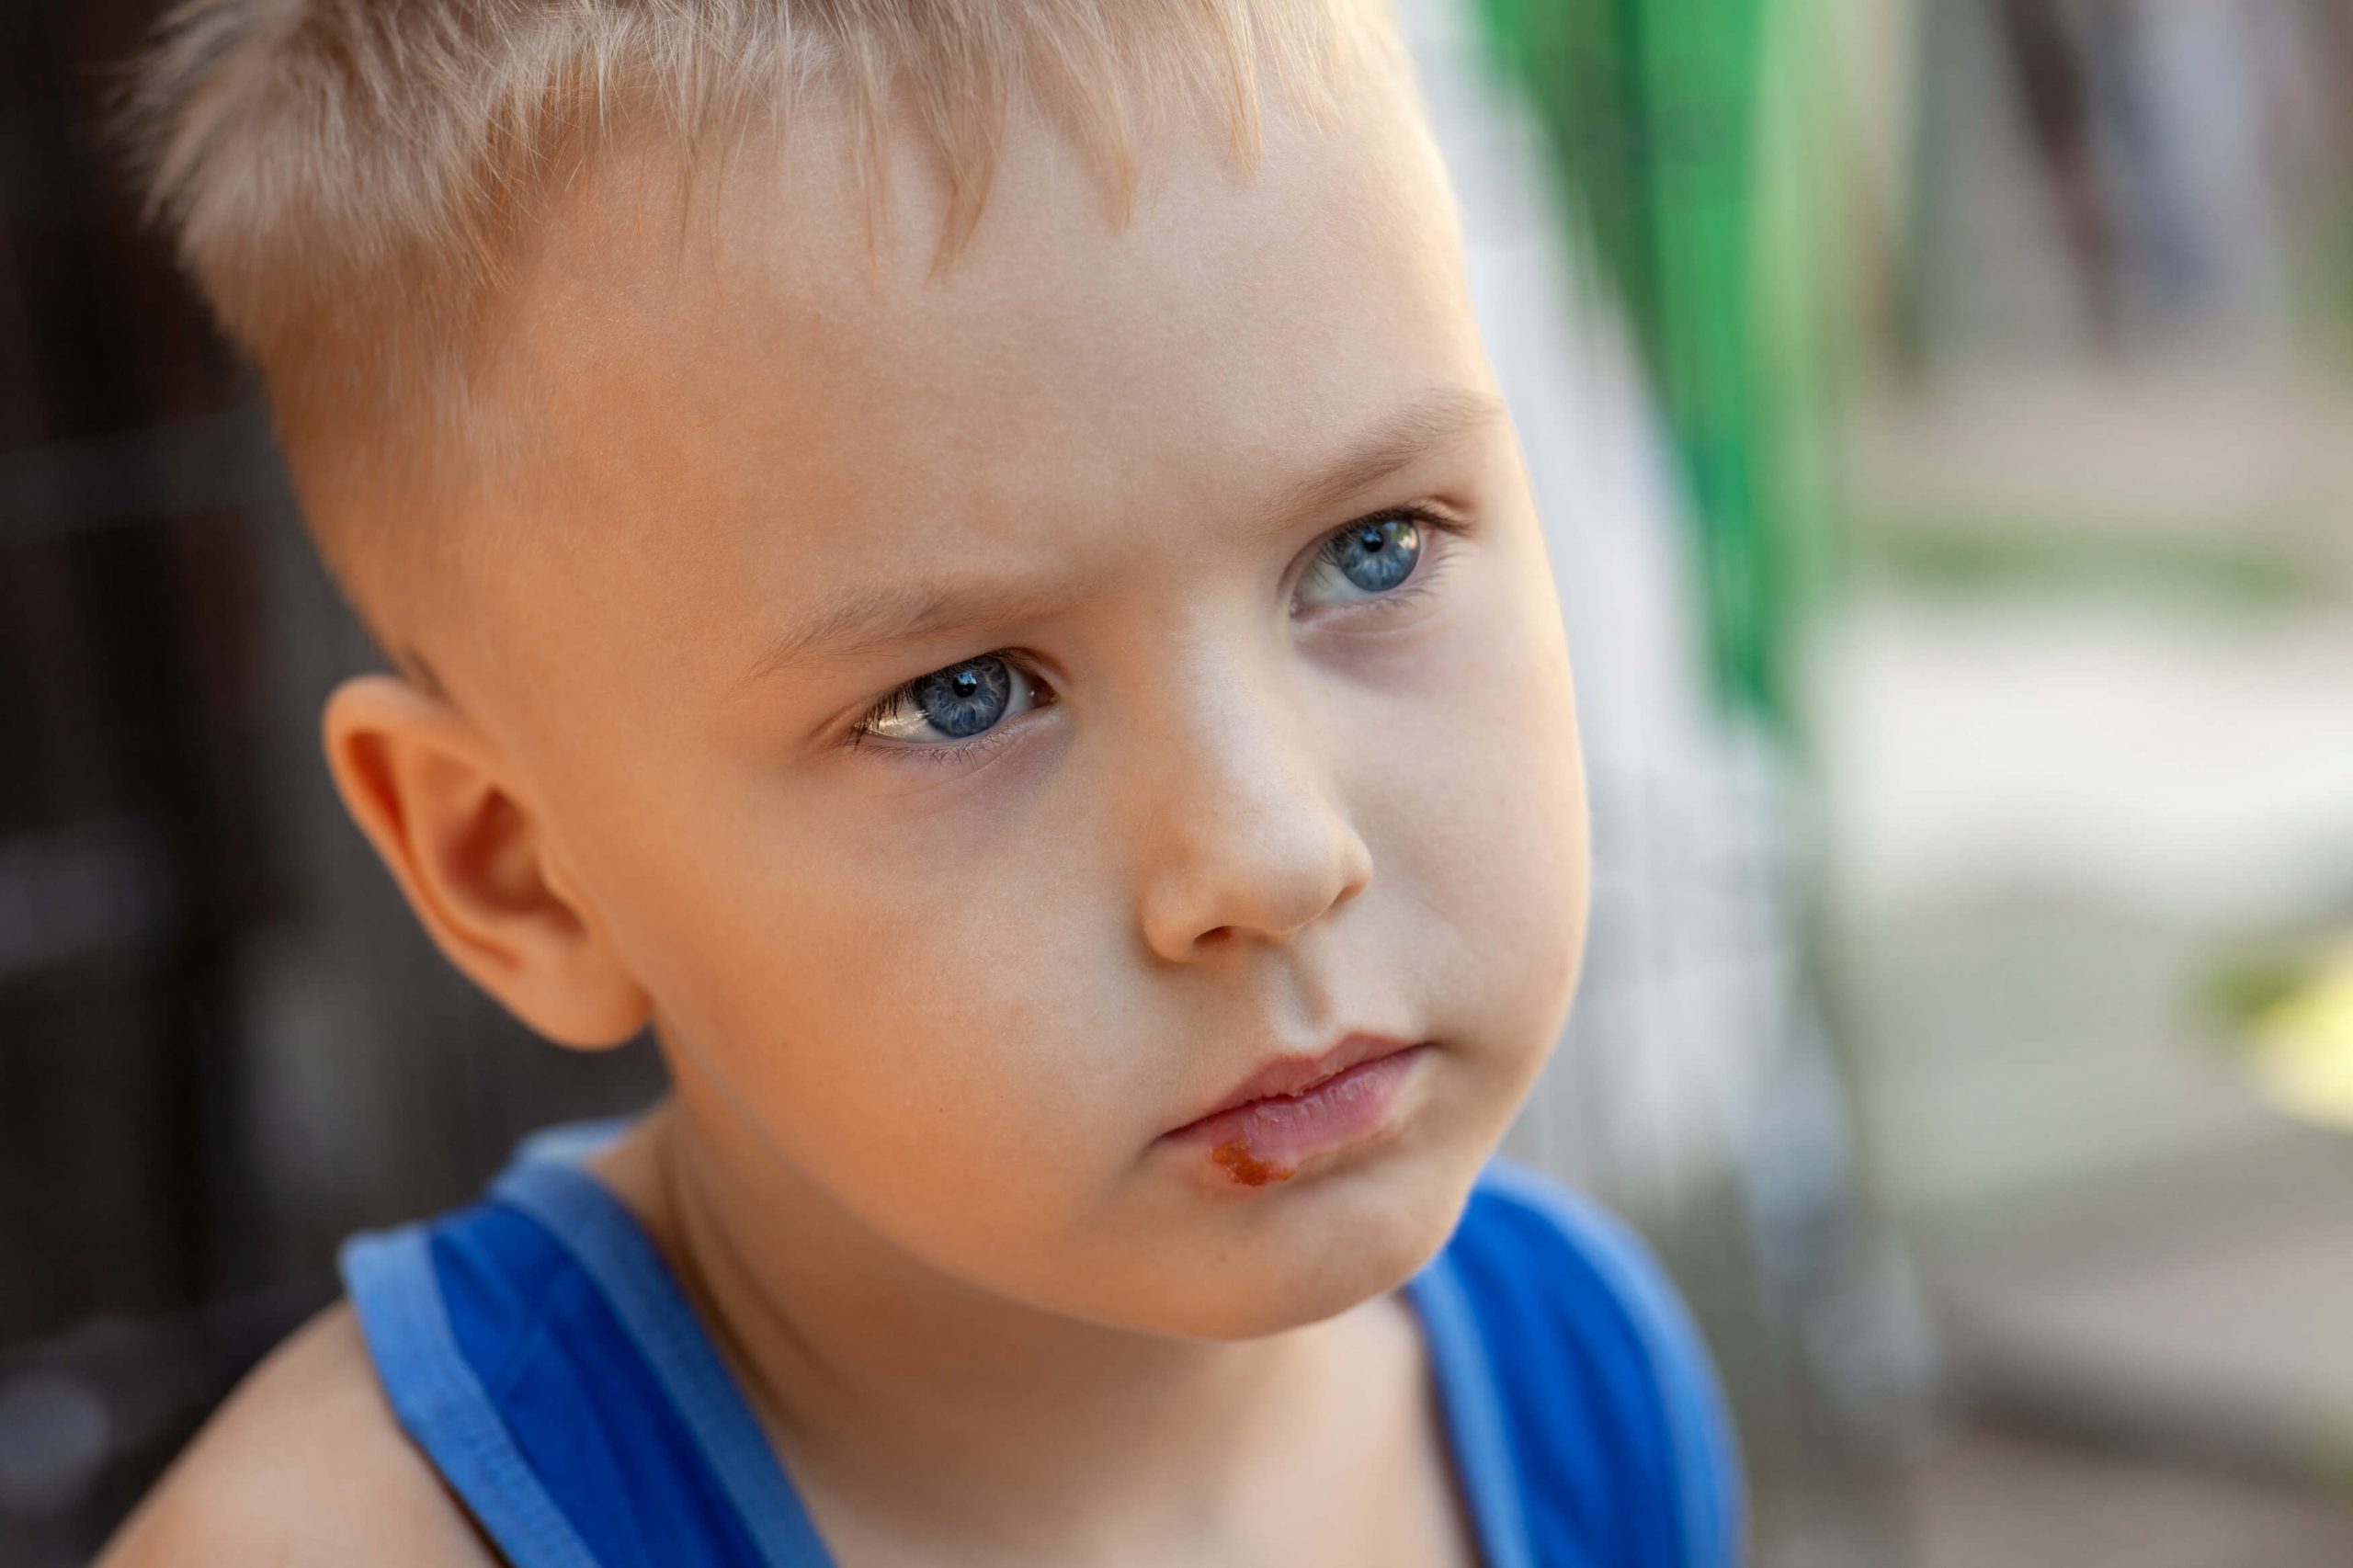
x,y
907,1400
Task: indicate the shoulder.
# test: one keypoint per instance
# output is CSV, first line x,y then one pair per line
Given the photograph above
x,y
1604,1377
304,1463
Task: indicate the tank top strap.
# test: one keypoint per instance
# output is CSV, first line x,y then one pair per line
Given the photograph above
x,y
537,1347
442,1404
1551,1321
1479,1438
608,1243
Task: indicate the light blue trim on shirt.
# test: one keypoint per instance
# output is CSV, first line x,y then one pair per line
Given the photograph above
x,y
609,1244
1481,1446
572,1142
390,1276
1707,1467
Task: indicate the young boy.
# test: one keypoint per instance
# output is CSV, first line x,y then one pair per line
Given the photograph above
x,y
960,560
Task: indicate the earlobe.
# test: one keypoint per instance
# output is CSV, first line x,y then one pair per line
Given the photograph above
x,y
433,794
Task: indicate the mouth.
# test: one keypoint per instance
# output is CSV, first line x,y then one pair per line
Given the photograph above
x,y
1297,1107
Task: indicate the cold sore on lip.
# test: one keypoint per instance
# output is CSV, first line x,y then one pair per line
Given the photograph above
x,y
1267,1139
1235,1157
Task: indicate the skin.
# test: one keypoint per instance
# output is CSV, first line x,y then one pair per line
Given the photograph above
x,y
927,1020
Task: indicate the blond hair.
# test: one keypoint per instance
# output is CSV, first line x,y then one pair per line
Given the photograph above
x,y
351,181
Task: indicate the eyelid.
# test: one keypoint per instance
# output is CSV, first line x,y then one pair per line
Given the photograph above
x,y
1422,513
859,736
1437,519
987,741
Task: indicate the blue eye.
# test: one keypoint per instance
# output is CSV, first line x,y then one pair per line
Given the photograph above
x,y
1366,559
952,704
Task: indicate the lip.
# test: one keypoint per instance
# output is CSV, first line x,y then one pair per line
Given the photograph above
x,y
1320,1104
1293,1075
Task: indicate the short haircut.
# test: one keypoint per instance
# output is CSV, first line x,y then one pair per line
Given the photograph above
x,y
351,182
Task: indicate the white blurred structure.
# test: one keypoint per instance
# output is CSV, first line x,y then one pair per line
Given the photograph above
x,y
1694,1087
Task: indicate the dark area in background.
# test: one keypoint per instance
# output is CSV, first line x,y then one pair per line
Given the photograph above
x,y
187,923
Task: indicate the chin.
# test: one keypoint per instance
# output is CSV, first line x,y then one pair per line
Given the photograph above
x,y
1356,1236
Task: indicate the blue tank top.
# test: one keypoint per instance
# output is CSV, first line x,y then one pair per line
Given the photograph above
x,y
536,1347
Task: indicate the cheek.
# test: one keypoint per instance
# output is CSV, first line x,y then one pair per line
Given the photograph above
x,y
1479,803
894,1012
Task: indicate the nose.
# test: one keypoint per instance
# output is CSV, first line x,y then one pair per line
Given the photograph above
x,y
1247,835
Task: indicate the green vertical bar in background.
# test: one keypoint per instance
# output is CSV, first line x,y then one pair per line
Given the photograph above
x,y
1681,131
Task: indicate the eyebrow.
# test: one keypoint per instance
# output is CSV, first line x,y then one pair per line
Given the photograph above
x,y
864,619
869,618
1430,422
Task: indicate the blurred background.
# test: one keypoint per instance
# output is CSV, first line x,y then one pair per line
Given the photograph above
x,y
1943,415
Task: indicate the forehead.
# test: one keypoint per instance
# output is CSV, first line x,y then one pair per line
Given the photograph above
x,y
760,384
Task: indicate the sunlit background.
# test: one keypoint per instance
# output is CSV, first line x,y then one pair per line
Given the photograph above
x,y
1943,415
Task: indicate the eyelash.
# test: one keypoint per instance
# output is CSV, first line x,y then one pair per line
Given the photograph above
x,y
963,751
1421,515
1424,518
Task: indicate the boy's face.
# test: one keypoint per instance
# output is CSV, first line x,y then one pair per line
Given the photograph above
x,y
1193,787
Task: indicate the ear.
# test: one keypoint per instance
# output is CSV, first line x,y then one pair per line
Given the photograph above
x,y
428,788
